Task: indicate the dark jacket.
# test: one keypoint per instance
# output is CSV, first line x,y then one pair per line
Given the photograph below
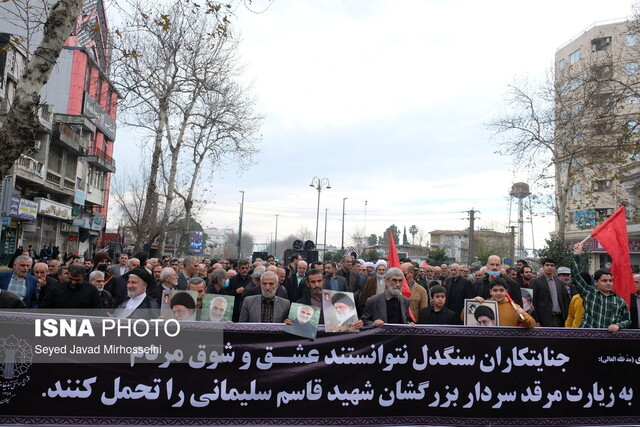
x,y
543,303
482,289
457,292
64,296
634,311
31,299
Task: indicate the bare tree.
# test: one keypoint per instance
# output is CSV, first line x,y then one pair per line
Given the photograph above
x,y
359,239
246,245
180,77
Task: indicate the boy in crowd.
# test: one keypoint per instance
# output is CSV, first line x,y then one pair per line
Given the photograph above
x,y
438,314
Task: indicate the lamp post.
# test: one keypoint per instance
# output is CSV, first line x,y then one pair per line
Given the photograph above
x,y
240,227
319,184
343,204
324,251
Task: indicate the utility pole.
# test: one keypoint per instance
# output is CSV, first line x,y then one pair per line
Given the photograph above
x,y
471,257
275,242
513,242
343,205
240,227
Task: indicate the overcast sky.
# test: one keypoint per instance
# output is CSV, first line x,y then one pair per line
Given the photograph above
x,y
388,100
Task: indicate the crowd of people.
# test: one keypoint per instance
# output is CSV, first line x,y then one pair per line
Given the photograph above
x,y
262,290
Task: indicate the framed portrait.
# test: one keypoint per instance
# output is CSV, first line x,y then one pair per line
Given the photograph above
x,y
305,320
527,299
217,308
339,311
179,305
476,314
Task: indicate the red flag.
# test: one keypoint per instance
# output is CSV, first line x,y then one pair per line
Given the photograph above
x,y
394,261
612,235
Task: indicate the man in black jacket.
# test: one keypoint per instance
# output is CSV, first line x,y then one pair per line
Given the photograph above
x,y
74,293
635,303
458,289
550,299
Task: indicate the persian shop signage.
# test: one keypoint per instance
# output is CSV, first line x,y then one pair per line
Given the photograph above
x,y
23,209
53,209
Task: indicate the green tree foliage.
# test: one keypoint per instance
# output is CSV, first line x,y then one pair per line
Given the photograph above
x,y
371,255
332,256
385,236
437,257
372,240
413,230
563,254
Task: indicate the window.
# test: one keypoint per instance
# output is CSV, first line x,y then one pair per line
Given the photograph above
x,y
70,166
632,68
602,71
575,109
561,64
632,40
574,57
574,83
55,159
575,190
603,185
632,98
600,44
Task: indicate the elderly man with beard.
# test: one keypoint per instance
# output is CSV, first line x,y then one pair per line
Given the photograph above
x,y
390,306
45,282
346,313
168,282
217,309
96,278
375,285
267,307
138,305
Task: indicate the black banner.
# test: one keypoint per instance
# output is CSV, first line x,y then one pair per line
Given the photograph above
x,y
390,375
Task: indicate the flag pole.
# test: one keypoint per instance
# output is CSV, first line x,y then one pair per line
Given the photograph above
x,y
585,239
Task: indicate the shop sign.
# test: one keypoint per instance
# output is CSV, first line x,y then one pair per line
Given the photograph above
x,y
53,209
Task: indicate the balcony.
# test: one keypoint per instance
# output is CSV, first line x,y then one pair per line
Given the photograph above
x,y
60,184
45,116
100,159
30,168
64,135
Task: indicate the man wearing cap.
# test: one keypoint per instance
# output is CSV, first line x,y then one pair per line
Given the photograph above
x,y
183,306
267,307
550,298
375,285
564,274
138,305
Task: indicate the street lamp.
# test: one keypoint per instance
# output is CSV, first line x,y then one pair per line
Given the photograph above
x,y
319,185
240,227
343,204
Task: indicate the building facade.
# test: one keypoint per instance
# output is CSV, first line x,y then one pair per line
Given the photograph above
x,y
597,80
456,243
61,185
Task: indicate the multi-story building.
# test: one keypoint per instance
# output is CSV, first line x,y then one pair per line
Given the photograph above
x,y
597,81
61,186
456,243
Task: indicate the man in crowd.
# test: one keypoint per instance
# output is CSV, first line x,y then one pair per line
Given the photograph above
x,y
138,304
375,285
45,282
332,281
390,306
526,276
602,307
351,277
494,264
73,293
549,297
190,270
267,307
419,296
635,303
198,285
96,278
564,274
122,266
458,289
292,283
20,282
